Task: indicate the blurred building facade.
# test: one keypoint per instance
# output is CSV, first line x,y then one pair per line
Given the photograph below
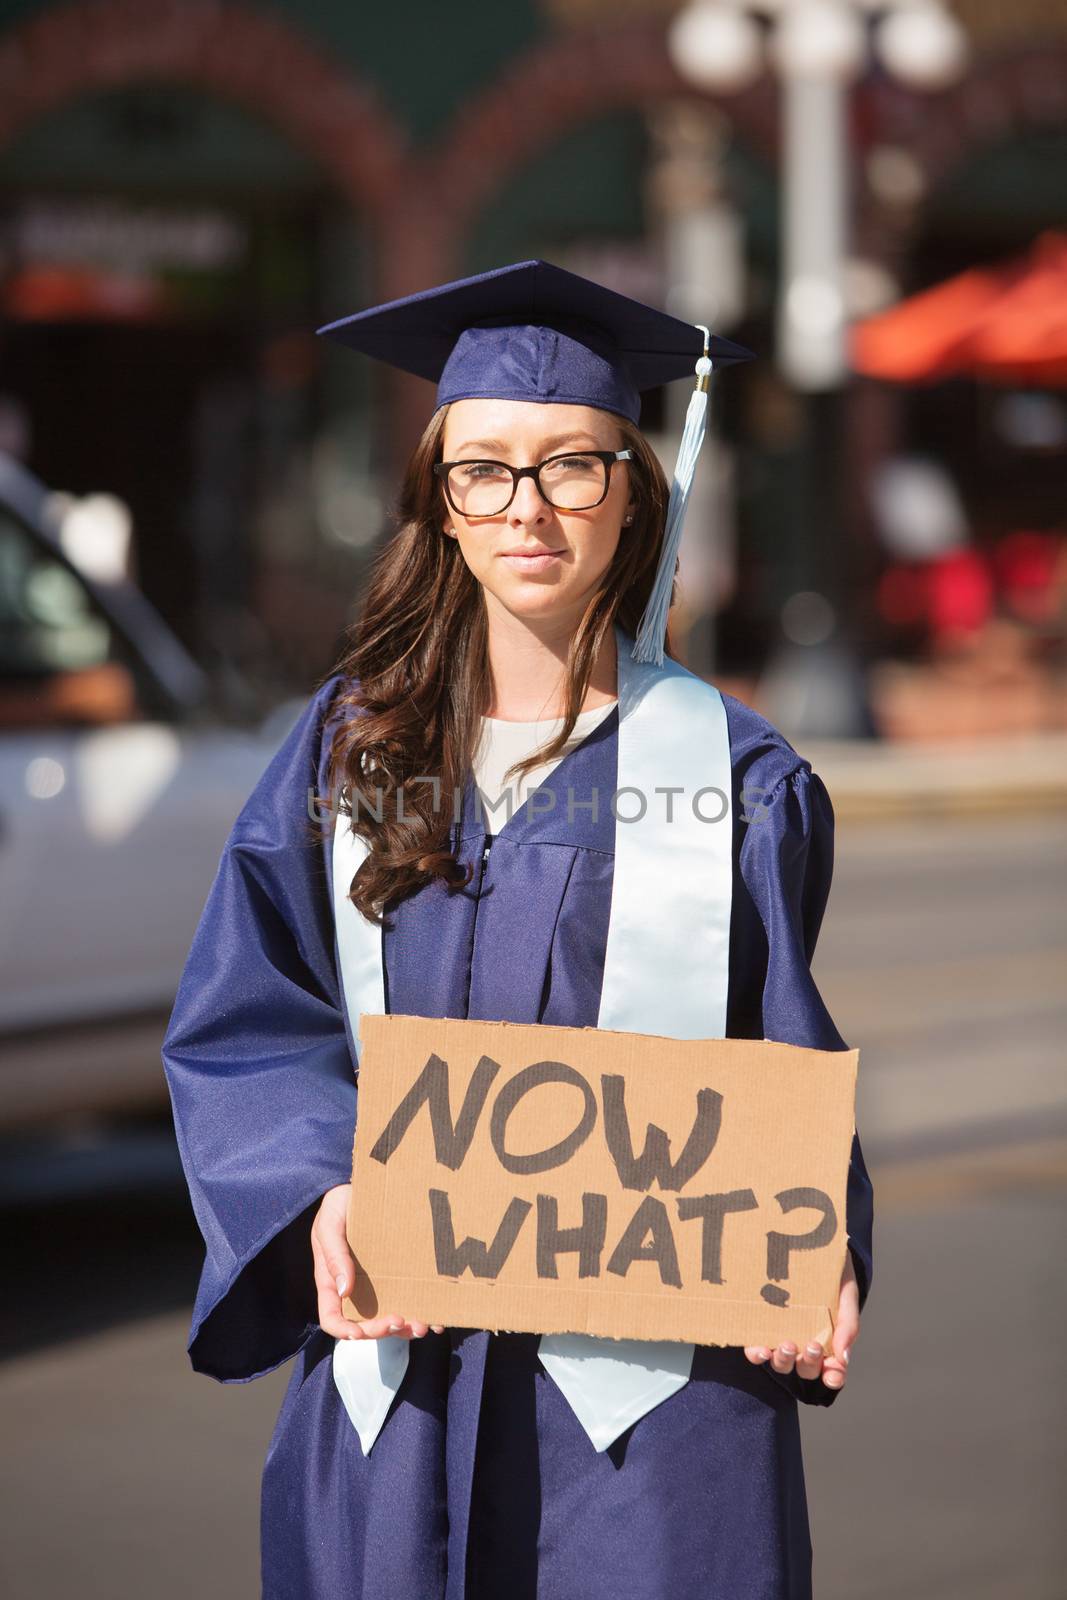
x,y
188,189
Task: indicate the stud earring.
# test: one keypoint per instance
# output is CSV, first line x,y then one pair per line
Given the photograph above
x,y
628,518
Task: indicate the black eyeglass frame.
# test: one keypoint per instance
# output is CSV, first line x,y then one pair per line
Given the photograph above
x,y
608,457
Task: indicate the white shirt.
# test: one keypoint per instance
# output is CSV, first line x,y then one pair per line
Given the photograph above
x,y
503,743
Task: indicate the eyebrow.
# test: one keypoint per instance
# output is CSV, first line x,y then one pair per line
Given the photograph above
x,y
546,444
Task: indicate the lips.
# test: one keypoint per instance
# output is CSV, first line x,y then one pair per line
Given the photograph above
x,y
531,562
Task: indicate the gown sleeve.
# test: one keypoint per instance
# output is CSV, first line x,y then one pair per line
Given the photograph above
x,y
786,861
260,1071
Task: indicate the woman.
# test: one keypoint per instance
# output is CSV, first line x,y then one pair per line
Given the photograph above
x,y
530,575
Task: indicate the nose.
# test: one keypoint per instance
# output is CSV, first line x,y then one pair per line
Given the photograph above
x,y
528,508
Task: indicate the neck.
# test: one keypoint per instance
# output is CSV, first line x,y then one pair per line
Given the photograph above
x,y
528,668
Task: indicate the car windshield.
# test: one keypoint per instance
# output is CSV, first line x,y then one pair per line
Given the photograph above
x,y
47,623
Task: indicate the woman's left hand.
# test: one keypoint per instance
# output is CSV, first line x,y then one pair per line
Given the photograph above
x,y
810,1362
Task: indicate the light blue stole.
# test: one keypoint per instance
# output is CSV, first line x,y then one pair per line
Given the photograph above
x,y
666,972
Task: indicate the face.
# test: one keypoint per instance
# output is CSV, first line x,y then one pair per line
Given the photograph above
x,y
533,561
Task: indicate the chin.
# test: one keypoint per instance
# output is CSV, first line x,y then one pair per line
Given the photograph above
x,y
535,606
532,602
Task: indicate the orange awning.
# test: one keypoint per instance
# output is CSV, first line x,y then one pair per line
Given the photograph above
x,y
1006,323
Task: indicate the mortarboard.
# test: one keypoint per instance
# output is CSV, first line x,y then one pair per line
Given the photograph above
x,y
533,331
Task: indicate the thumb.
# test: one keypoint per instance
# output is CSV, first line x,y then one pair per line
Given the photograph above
x,y
333,1236
848,1322
340,1265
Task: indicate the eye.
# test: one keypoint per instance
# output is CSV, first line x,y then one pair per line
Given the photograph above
x,y
481,471
567,469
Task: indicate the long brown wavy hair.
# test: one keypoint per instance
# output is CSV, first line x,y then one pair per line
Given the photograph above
x,y
417,679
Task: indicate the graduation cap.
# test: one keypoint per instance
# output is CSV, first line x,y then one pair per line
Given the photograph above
x,y
533,331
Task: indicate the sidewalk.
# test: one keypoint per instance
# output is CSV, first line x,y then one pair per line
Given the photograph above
x,y
983,730
876,779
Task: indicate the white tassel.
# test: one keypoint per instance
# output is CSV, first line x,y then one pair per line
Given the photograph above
x,y
652,630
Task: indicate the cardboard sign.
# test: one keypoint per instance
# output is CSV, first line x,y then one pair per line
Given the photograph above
x,y
538,1179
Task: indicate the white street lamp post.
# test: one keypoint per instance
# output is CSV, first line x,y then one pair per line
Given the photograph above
x,y
817,48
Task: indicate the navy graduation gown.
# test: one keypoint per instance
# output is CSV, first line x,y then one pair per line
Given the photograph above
x,y
482,1481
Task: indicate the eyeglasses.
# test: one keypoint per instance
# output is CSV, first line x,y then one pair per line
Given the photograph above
x,y
571,482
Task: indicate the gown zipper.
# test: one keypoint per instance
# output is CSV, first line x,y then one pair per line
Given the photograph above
x,y
485,857
474,931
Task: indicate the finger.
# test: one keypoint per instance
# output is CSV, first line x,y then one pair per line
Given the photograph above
x,y
848,1319
844,1338
337,1325
809,1361
331,1245
329,1301
386,1326
784,1356
757,1353
845,1333
833,1373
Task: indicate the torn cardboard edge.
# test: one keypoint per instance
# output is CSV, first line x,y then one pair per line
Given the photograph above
x,y
392,1293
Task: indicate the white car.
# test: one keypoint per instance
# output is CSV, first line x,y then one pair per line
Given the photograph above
x,y
119,783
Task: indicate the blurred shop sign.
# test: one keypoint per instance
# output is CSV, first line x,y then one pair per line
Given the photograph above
x,y
110,260
117,233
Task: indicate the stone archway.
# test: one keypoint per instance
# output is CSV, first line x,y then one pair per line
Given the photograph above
x,y
418,207
242,55
540,96
571,79
232,52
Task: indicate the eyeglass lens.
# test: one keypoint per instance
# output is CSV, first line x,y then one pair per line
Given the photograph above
x,y
570,483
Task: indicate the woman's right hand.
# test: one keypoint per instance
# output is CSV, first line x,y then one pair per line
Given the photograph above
x,y
335,1276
